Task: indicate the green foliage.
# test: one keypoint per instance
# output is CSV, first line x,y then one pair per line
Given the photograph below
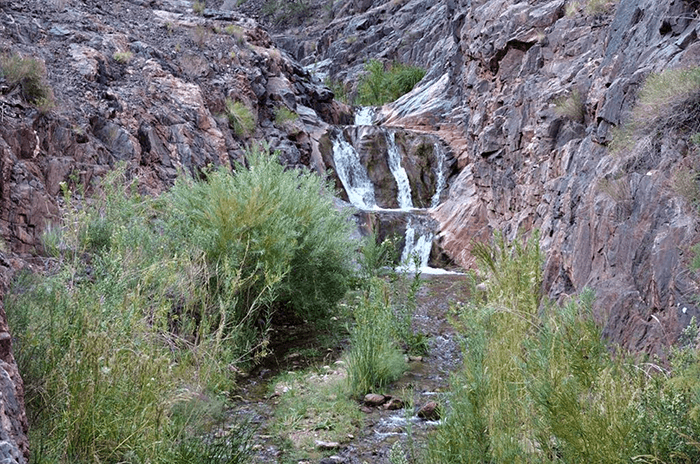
x,y
198,7
258,226
30,75
293,12
374,360
284,116
240,118
379,85
668,102
122,57
539,385
571,107
154,303
338,89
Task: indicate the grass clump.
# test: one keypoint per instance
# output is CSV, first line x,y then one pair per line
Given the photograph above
x,y
122,57
292,12
285,116
667,102
240,118
129,348
571,107
539,385
380,85
29,74
374,359
198,7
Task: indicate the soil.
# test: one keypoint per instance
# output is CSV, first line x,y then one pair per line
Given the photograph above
x,y
426,380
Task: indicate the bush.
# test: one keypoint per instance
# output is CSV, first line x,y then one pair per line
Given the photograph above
x,y
123,57
571,107
30,75
155,302
668,102
240,118
374,359
539,384
284,116
379,85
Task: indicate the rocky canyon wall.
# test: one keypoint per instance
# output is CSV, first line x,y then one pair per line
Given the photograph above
x,y
499,73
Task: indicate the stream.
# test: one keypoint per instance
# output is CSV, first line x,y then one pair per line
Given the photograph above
x,y
380,170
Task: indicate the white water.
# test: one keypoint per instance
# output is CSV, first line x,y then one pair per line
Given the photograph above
x,y
364,116
399,173
353,174
440,182
416,247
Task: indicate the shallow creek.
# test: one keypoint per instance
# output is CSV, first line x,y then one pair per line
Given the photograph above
x,y
425,380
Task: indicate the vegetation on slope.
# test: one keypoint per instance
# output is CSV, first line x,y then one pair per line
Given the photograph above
x,y
129,347
380,85
539,384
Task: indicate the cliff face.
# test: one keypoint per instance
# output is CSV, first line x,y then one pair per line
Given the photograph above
x,y
499,73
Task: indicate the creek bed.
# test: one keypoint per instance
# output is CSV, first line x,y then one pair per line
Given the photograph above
x,y
425,380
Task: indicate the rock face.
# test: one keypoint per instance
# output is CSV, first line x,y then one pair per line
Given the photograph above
x,y
499,72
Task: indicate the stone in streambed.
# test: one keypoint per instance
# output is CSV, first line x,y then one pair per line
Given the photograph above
x,y
375,399
429,411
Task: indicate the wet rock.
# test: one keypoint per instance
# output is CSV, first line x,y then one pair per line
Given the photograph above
x,y
394,404
375,399
429,411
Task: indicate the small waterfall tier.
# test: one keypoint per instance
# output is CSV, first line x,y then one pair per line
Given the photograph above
x,y
393,176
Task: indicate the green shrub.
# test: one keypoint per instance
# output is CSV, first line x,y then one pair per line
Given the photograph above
x,y
571,107
338,89
379,85
668,102
155,302
240,118
539,384
285,116
123,57
374,360
274,233
198,7
30,75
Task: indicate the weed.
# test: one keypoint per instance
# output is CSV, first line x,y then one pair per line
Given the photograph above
x,y
374,360
539,384
198,7
684,182
571,107
667,102
128,348
240,118
338,89
122,57
200,36
29,74
379,85
284,116
292,12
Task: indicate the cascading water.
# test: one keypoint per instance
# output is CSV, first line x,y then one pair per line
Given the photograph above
x,y
365,116
419,233
353,174
399,173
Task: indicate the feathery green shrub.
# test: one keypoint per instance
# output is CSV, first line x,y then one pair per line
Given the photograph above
x,y
155,302
379,85
539,385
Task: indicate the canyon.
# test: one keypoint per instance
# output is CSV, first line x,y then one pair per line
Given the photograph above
x,y
497,74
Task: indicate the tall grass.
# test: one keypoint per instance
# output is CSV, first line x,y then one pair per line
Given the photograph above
x,y
374,359
155,303
539,384
380,85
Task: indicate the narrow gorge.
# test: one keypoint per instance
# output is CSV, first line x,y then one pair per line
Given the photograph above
x,y
532,118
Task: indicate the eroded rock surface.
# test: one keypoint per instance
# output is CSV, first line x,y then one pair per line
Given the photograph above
x,y
496,70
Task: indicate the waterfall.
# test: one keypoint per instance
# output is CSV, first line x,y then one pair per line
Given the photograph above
x,y
399,173
419,230
440,182
364,116
353,174
419,247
